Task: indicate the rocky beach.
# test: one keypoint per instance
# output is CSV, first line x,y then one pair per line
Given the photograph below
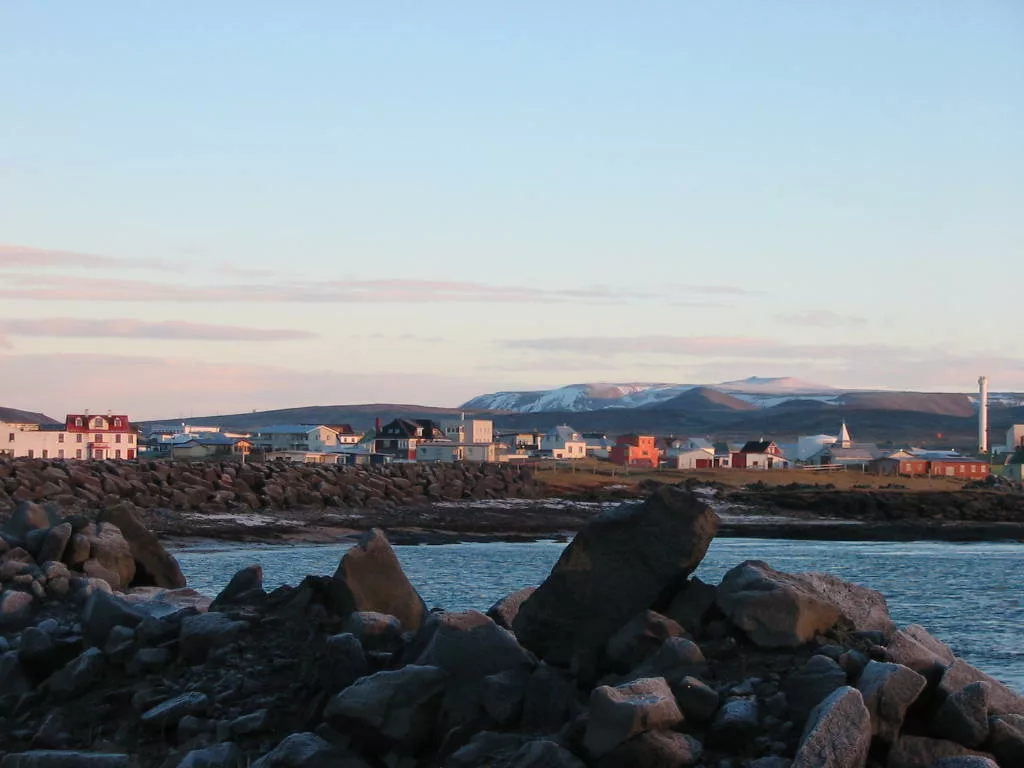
x,y
620,657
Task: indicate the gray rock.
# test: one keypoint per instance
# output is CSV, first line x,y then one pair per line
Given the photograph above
x,y
152,564
737,722
918,650
254,722
28,516
691,604
109,549
503,693
487,748
640,637
542,753
120,644
697,700
39,654
191,726
810,685
376,631
13,678
655,749
226,755
246,586
967,761
344,663
675,659
469,645
504,612
838,733
16,609
860,609
919,751
45,758
300,750
549,701
1006,739
172,710
56,539
623,561
401,705
147,660
201,634
370,578
1002,700
621,712
79,675
888,691
963,716
103,612
154,631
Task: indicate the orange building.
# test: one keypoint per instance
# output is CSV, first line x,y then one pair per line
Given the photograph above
x,y
635,451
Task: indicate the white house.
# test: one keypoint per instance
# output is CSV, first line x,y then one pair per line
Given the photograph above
x,y
445,451
303,437
563,443
469,430
701,458
81,436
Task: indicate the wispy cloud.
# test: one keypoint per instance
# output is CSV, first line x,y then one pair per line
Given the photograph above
x,y
820,318
85,328
23,257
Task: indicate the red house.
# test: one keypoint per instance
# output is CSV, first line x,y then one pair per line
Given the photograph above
x,y
635,451
101,437
965,469
760,454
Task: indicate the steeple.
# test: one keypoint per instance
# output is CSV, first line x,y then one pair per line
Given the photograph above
x,y
844,441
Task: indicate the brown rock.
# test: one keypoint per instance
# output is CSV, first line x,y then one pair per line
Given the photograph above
x,y
154,565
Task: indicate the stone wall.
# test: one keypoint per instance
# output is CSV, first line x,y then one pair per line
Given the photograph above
x,y
220,487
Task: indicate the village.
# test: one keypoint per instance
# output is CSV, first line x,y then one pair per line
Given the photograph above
x,y
113,437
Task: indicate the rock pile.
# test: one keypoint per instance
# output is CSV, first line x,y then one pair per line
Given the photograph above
x,y
215,488
620,658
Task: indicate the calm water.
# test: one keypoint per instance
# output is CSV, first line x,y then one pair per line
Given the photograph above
x,y
969,595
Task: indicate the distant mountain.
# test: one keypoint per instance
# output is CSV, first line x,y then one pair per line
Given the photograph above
x,y
783,385
703,399
16,416
939,403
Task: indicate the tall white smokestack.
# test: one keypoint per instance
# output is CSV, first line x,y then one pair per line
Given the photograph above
x,y
983,414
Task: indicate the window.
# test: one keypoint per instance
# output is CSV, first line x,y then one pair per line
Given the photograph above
x,y
46,454
78,452
97,438
60,454
117,422
31,453
10,437
97,424
117,454
78,439
117,438
78,421
131,439
60,437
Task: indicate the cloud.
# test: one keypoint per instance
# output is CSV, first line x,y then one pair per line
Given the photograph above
x,y
23,257
84,328
172,388
820,318
56,287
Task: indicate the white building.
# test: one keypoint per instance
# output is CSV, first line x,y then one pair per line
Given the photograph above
x,y
701,458
469,430
81,436
1014,438
304,437
444,451
563,443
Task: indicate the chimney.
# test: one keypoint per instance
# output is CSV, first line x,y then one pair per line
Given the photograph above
x,y
377,425
983,414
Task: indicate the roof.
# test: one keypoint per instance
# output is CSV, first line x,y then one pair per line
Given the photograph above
x,y
855,452
756,446
341,429
564,433
287,429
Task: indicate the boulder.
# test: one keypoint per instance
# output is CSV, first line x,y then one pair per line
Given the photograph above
x,y
246,586
696,699
918,650
200,634
963,716
502,695
307,749
77,550
103,612
344,662
624,561
621,712
550,700
923,752
54,543
738,722
838,733
153,565
78,675
16,609
28,516
888,691
1002,700
109,548
169,712
811,684
376,631
47,758
676,659
470,645
13,677
640,637
544,753
400,705
691,604
504,611
655,749
860,609
1006,739
225,755
370,578
774,609
966,761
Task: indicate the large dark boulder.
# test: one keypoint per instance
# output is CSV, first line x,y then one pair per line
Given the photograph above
x,y
623,562
888,691
370,578
469,644
505,610
811,684
838,733
307,749
29,516
154,565
624,711
245,587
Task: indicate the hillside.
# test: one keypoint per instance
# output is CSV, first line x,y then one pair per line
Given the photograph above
x,y
941,403
703,399
25,417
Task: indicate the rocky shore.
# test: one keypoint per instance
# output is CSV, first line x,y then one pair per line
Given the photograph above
x,y
619,658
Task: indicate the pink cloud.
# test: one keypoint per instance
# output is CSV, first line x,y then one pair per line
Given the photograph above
x,y
169,388
70,327
23,257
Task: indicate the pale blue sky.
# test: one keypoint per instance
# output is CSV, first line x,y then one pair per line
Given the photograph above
x,y
570,191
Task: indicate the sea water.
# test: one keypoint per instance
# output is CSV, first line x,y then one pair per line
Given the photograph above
x,y
969,595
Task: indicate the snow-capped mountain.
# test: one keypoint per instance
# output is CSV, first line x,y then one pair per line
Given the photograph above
x,y
761,392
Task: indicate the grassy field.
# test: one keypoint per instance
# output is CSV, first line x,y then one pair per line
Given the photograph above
x,y
592,474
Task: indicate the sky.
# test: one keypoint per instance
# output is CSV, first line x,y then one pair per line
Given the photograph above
x,y
218,207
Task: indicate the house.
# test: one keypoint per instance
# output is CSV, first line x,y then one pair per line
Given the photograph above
x,y
401,438
760,454
898,463
636,451
808,445
468,430
209,446
81,436
302,437
598,444
722,454
445,451
673,446
529,442
703,458
344,434
962,468
563,442
844,452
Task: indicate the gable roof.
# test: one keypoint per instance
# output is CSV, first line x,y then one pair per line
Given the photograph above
x,y
757,446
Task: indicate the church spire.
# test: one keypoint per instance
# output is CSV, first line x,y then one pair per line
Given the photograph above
x,y
844,441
